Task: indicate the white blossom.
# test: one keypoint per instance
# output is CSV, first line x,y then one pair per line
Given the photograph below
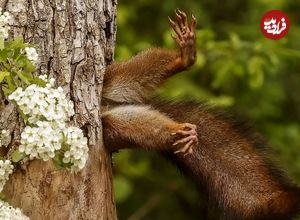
x,y
44,77
45,139
77,154
39,103
41,141
16,95
31,54
5,19
8,212
48,111
6,168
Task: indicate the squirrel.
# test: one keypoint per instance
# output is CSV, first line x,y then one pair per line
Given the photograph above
x,y
223,158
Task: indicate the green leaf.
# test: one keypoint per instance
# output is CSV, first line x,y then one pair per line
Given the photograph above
x,y
3,55
10,83
17,43
25,78
28,76
21,62
25,118
39,82
3,74
17,156
6,91
58,162
29,67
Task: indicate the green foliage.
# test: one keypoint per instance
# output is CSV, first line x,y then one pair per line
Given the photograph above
x,y
237,67
58,161
3,74
16,68
17,156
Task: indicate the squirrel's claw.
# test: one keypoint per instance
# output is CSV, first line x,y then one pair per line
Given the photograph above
x,y
189,139
185,32
185,36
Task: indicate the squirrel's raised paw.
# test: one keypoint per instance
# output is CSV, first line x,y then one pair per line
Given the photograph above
x,y
185,31
189,138
185,36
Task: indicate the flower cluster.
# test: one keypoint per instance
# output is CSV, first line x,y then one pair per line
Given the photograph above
x,y
5,18
6,168
48,111
41,141
77,152
31,54
43,103
4,134
11,213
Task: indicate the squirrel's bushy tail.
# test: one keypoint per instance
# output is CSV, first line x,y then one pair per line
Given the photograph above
x,y
231,165
286,205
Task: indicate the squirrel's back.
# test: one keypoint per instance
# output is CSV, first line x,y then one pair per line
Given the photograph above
x,y
229,163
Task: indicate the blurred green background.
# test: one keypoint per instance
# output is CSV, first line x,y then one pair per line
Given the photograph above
x,y
237,69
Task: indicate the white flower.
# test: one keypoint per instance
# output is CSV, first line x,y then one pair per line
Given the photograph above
x,y
41,141
40,103
32,55
6,168
52,82
43,77
5,19
77,154
16,95
4,32
8,212
48,111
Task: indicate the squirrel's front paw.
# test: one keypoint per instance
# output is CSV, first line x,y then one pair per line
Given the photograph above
x,y
185,36
189,138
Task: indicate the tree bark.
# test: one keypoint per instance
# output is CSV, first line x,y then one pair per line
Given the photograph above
x,y
75,40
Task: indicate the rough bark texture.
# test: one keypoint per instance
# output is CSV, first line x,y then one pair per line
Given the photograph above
x,y
75,40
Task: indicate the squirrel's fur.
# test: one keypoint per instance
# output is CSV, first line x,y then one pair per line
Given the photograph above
x,y
223,158
230,164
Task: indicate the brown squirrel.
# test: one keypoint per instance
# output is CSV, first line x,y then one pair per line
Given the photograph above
x,y
220,156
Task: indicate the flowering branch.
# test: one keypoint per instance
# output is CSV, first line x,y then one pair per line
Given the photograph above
x,y
45,109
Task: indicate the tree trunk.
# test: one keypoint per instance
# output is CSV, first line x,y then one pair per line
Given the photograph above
x,y
75,40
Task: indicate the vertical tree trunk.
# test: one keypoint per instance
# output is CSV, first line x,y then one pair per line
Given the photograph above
x,y
75,40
